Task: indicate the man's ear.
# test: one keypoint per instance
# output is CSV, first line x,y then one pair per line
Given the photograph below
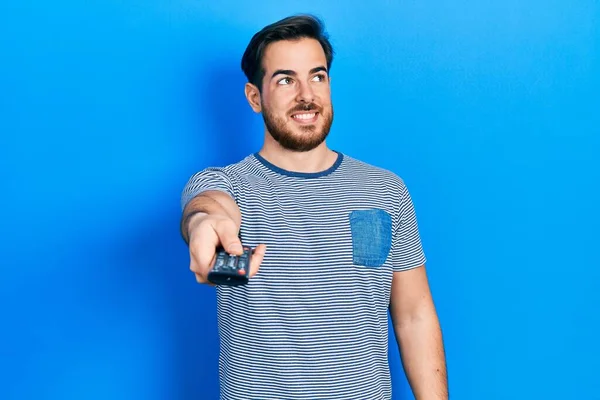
x,y
253,97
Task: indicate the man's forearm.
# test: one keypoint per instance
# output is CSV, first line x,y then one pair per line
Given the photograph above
x,y
423,358
213,203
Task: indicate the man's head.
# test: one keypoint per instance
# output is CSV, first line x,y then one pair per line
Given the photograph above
x,y
287,65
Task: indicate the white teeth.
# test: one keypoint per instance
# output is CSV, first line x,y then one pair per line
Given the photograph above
x,y
305,116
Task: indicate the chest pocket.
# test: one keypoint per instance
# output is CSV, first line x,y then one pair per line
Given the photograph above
x,y
371,236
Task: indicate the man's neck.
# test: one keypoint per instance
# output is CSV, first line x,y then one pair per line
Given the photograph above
x,y
316,160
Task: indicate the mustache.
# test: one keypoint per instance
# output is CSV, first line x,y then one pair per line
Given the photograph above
x,y
305,108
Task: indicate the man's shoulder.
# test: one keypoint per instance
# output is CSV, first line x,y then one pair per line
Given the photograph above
x,y
226,177
241,163
231,168
372,171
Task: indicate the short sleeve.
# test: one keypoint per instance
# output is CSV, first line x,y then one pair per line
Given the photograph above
x,y
208,179
407,250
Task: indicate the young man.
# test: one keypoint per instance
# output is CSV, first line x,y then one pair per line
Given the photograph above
x,y
336,245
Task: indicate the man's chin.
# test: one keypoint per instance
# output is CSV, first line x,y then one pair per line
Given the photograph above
x,y
302,143
300,147
298,136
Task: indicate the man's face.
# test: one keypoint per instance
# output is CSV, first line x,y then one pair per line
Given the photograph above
x,y
296,98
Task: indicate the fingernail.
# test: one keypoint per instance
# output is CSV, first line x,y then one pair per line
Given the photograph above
x,y
236,247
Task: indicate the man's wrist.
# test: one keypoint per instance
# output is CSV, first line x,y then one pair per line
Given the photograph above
x,y
189,221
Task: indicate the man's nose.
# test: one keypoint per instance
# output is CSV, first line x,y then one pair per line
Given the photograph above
x,y
305,93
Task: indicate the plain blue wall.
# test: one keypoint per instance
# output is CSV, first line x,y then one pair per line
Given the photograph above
x,y
488,110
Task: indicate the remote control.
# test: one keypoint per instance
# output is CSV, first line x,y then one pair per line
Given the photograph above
x,y
230,269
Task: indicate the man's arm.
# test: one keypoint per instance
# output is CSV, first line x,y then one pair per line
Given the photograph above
x,y
209,220
213,203
418,334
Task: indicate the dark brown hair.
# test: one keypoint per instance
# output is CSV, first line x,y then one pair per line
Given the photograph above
x,y
291,28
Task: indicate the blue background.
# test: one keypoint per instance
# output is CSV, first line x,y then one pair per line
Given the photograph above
x,y
488,110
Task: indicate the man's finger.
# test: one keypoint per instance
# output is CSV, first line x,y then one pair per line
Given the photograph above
x,y
202,280
257,257
198,273
202,249
199,278
228,237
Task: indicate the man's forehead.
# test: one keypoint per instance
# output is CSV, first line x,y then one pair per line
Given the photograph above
x,y
303,54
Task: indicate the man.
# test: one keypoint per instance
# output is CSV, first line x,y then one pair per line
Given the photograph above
x,y
335,242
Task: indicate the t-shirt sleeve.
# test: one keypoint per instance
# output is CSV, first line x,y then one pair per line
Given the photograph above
x,y
208,179
407,250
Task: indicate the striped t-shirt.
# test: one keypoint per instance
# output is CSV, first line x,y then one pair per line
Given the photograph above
x,y
313,323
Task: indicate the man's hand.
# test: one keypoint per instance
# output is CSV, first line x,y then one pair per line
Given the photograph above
x,y
207,233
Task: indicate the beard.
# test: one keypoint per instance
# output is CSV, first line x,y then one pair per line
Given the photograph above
x,y
310,136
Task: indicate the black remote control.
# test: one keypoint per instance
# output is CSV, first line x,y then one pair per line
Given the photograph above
x,y
230,269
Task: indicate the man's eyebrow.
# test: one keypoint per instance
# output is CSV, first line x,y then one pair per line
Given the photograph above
x,y
317,69
283,72
293,73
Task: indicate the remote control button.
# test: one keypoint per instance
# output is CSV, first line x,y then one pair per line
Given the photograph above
x,y
232,262
241,271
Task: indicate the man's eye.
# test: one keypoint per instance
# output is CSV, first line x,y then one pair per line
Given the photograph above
x,y
285,81
319,78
